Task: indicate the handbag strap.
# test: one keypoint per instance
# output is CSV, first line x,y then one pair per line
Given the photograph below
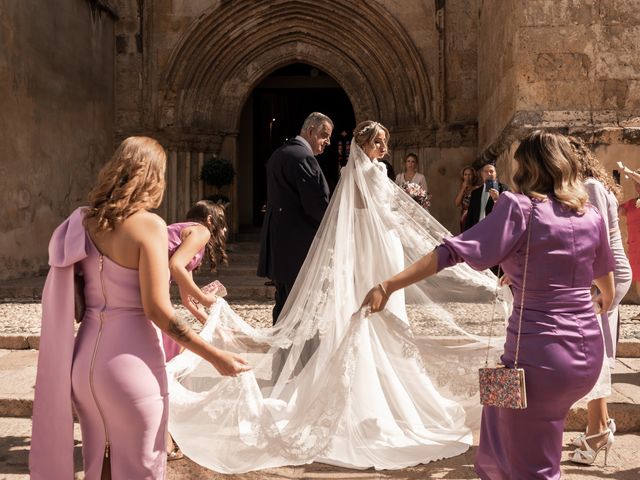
x,y
524,283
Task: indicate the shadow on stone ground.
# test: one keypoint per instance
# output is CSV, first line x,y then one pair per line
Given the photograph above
x,y
460,467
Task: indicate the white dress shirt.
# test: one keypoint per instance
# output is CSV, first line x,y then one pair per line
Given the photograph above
x,y
484,198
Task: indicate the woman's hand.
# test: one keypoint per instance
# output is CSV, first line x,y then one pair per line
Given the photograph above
x,y
505,280
209,299
622,167
376,299
193,307
229,364
597,303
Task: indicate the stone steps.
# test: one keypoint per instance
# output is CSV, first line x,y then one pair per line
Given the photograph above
x,y
18,370
239,277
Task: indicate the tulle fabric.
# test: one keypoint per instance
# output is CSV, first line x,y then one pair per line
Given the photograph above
x,y
329,383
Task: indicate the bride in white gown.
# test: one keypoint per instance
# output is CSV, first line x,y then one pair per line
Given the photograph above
x,y
331,384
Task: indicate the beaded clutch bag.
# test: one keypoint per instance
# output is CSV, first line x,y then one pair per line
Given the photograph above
x,y
214,287
501,386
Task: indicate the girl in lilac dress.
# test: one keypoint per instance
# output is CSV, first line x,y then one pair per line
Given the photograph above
x,y
203,233
561,347
113,371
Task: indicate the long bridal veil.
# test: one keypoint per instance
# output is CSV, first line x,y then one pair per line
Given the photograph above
x,y
328,383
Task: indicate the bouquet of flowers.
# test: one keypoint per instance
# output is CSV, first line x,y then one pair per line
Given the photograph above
x,y
418,193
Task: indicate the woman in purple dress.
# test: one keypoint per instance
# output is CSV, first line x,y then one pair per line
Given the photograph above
x,y
561,347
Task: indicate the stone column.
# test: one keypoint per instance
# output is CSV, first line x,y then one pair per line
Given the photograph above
x,y
172,177
229,150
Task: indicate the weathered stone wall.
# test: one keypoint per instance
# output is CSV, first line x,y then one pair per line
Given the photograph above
x,y
453,79
569,65
461,62
56,85
497,71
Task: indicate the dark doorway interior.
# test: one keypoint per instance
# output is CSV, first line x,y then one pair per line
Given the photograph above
x,y
280,104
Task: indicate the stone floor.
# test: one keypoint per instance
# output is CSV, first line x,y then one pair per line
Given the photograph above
x,y
623,463
24,318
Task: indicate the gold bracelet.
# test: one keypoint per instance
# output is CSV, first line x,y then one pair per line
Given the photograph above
x,y
383,290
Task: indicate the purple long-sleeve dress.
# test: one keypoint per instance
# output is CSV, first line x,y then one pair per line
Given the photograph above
x,y
561,347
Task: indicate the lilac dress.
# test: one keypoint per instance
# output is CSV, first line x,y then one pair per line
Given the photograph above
x,y
114,371
172,348
561,347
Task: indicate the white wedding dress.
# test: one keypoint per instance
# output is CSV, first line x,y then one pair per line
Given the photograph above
x,y
330,384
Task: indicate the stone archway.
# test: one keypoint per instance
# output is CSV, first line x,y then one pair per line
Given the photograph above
x,y
226,53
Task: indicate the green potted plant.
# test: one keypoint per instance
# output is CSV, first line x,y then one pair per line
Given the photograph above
x,y
218,172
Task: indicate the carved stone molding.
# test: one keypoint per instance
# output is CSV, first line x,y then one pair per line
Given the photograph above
x,y
596,127
226,53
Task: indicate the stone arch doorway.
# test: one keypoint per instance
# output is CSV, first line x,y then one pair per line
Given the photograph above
x,y
272,114
225,54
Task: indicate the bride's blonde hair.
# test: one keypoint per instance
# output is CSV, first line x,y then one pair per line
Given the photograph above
x,y
365,133
132,180
547,166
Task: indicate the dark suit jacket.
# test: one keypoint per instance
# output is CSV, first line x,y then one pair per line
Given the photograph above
x,y
473,216
297,197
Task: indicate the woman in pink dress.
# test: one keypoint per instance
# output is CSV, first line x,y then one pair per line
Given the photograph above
x,y
203,233
631,210
561,348
113,372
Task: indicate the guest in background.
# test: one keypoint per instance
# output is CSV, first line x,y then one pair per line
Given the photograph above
x,y
468,182
113,372
603,194
631,211
482,199
411,174
561,348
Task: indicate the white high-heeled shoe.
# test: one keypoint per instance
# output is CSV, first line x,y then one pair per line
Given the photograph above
x,y
577,442
587,455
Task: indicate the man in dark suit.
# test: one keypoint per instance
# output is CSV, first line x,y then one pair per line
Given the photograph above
x,y
297,197
483,198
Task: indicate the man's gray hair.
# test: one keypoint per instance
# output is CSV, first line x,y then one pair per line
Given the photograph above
x,y
315,120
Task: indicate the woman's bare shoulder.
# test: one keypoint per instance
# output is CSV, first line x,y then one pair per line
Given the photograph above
x,y
145,223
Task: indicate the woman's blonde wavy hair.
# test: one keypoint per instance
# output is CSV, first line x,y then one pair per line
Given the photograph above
x,y
131,181
547,166
366,131
590,167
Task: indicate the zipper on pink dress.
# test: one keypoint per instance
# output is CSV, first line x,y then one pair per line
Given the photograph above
x,y
107,445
